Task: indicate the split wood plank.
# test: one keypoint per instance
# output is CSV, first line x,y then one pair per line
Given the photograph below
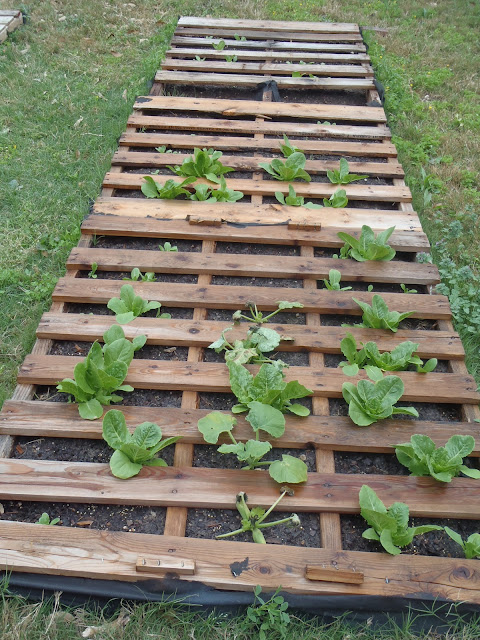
x,y
236,297
270,25
262,266
306,56
315,572
251,127
89,482
266,109
271,45
374,193
112,555
201,333
406,237
291,36
330,147
249,163
337,433
213,377
208,66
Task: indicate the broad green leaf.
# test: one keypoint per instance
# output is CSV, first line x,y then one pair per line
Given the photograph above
x,y
265,339
114,429
350,369
284,304
298,409
241,381
454,536
460,446
368,499
90,410
149,187
215,423
135,453
471,473
371,534
80,373
267,418
156,462
122,467
289,469
387,542
147,434
124,318
115,332
121,350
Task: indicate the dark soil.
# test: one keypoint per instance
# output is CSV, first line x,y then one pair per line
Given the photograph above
x,y
208,456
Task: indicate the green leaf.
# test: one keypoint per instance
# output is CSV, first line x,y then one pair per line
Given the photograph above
x,y
114,429
267,418
454,536
115,332
122,467
241,381
147,434
289,469
264,339
215,423
90,410
156,462
298,409
371,534
387,542
368,499
149,187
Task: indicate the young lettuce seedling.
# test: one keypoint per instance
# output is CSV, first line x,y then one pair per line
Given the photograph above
x,y
291,169
136,275
422,458
367,246
337,200
388,526
45,519
133,451
407,290
231,58
225,194
237,37
333,282
378,316
258,317
397,360
259,340
102,373
342,175
203,193
253,519
292,200
93,272
287,148
471,546
369,402
204,164
168,191
167,246
130,306
219,46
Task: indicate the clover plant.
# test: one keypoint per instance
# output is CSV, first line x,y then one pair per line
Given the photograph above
x,y
369,401
388,526
101,374
133,451
342,175
269,615
367,246
254,519
130,306
423,458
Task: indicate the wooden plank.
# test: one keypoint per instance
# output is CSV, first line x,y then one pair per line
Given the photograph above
x,y
225,79
337,433
265,109
249,163
271,25
251,127
329,70
88,482
112,555
406,237
317,572
166,564
213,377
262,266
294,35
271,45
201,333
331,147
235,297
374,193
306,56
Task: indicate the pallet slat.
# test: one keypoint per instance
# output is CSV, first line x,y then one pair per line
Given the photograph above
x,y
330,70
264,266
292,36
271,45
271,25
306,56
338,433
213,377
88,482
323,339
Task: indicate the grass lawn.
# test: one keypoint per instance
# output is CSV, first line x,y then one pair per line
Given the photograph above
x,y
69,77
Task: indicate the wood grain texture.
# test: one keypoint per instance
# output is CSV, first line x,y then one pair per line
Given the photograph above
x,y
243,54
271,45
295,36
271,25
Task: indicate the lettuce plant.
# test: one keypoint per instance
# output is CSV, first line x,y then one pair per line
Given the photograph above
x,y
259,340
378,316
367,246
397,360
291,169
337,200
204,164
258,317
292,200
224,193
45,519
333,282
136,275
133,451
102,373
369,402
231,58
203,193
130,306
219,46
287,148
471,546
422,458
167,246
342,175
168,191
254,519
388,526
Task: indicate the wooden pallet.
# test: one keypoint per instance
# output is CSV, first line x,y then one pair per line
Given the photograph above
x,y
10,19
247,131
